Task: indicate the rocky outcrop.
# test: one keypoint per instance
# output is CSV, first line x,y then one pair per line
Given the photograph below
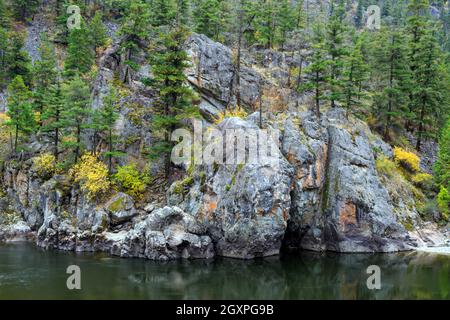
x,y
244,206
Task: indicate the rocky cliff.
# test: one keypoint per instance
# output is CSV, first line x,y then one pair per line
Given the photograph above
x,y
325,192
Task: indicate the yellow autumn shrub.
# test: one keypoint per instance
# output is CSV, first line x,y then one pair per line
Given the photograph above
x,y
423,180
406,159
45,164
92,175
235,113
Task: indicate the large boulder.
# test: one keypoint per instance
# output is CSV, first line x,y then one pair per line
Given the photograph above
x,y
244,206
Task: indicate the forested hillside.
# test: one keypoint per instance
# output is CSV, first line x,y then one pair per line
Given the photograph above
x,y
88,103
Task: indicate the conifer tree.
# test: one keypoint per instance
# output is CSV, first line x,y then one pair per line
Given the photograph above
x,y
97,31
108,118
287,20
24,8
355,73
21,117
76,110
429,93
80,56
442,166
207,19
163,12
317,70
168,64
5,20
17,59
135,30
52,116
391,99
336,50
44,74
3,56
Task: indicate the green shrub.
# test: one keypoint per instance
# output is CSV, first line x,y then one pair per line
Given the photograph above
x,y
443,200
130,180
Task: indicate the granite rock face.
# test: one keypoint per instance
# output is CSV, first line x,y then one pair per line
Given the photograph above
x,y
244,206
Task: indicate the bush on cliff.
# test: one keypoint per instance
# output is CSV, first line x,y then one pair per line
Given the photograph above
x,y
92,175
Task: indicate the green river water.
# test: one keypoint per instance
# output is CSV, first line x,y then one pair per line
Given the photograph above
x,y
27,272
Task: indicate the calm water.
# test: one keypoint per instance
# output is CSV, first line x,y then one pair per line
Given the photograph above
x,y
27,272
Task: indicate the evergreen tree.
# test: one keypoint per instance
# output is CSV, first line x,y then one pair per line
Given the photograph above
x,y
355,73
287,20
317,70
97,31
182,12
207,19
163,12
391,98
265,22
336,50
108,118
24,8
442,166
3,56
76,109
52,116
430,86
135,30
19,110
17,59
80,56
168,64
4,15
44,74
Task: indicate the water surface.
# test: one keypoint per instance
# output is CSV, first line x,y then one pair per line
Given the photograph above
x,y
27,272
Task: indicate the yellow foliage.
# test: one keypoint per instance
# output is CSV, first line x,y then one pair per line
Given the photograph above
x,y
423,180
407,160
45,164
92,175
131,180
238,112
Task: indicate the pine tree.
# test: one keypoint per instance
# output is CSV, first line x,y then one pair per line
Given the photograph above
x,y
5,20
3,56
76,110
442,166
80,56
97,31
108,118
52,116
265,23
163,12
183,12
430,85
24,8
336,50
17,59
391,99
19,110
207,19
135,30
317,70
355,73
44,74
168,65
287,20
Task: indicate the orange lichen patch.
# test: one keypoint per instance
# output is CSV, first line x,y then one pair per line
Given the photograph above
x,y
347,215
320,165
209,206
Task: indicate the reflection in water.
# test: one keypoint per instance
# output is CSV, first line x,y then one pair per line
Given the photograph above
x,y
30,273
